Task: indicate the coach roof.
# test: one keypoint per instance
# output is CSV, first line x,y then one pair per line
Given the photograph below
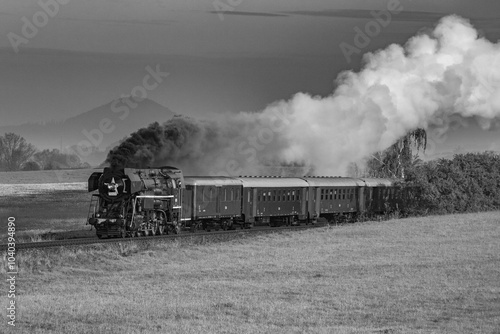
x,y
272,182
333,182
377,182
216,181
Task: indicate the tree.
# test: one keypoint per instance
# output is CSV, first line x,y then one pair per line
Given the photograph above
x,y
15,151
394,161
353,170
31,165
55,159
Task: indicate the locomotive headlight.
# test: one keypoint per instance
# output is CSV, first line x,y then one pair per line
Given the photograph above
x,y
97,215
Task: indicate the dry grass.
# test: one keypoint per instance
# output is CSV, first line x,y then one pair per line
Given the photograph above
x,y
46,176
26,189
47,207
44,202
419,275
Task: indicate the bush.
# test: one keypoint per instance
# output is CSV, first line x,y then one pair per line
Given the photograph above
x,y
467,183
31,165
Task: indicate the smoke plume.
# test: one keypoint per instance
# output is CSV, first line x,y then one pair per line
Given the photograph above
x,y
450,71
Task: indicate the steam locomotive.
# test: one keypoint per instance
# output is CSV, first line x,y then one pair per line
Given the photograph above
x,y
134,202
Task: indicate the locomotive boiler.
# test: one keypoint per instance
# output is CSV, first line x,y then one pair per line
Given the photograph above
x,y
135,202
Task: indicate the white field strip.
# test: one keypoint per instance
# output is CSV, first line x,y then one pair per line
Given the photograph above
x,y
39,188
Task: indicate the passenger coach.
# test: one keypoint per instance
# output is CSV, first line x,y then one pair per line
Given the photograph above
x,y
334,198
212,203
274,200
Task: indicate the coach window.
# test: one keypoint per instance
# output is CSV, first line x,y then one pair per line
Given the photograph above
x,y
258,196
322,192
331,194
274,195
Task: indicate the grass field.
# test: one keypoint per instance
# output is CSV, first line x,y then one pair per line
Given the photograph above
x,y
45,202
44,208
417,275
46,176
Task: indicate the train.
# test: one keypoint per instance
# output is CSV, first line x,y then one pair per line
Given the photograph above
x,y
132,202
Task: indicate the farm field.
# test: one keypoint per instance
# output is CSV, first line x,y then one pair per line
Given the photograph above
x,y
46,176
45,203
434,274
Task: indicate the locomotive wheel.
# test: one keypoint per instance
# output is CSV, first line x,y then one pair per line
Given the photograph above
x,y
160,230
177,229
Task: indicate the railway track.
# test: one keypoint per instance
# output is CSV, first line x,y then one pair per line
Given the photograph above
x,y
217,235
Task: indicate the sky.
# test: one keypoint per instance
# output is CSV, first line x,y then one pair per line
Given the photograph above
x,y
220,55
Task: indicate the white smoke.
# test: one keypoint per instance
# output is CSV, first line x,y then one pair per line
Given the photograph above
x,y
434,77
401,88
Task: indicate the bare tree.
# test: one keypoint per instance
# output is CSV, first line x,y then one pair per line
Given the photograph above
x,y
394,161
15,151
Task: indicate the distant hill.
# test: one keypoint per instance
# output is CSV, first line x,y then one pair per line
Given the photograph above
x,y
101,128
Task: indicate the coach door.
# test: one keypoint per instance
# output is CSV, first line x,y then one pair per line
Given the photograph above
x,y
220,193
314,202
249,203
361,199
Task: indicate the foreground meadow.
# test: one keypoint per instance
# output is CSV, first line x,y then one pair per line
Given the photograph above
x,y
419,275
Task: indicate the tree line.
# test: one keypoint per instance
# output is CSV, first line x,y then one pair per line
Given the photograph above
x,y
17,154
468,182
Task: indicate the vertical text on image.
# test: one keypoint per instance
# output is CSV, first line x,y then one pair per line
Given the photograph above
x,y
11,271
